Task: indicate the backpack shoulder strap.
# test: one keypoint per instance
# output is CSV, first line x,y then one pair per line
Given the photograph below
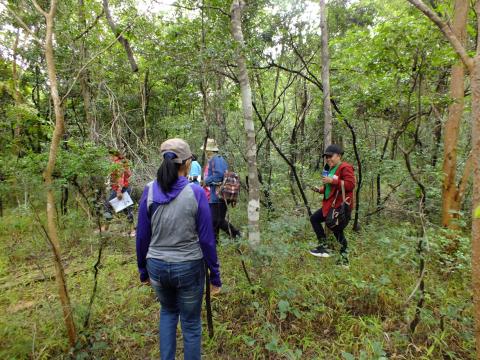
x,y
150,195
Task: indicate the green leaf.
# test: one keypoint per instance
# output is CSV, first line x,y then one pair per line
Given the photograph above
x,y
100,345
347,356
283,307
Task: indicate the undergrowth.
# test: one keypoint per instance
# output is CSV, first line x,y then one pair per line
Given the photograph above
x,y
298,306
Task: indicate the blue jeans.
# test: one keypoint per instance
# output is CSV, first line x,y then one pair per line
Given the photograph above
x,y
179,288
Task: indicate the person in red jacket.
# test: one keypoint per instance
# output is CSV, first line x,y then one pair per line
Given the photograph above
x,y
334,172
119,184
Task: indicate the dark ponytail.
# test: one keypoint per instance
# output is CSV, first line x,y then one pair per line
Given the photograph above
x,y
167,173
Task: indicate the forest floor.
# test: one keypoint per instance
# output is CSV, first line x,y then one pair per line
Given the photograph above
x,y
299,306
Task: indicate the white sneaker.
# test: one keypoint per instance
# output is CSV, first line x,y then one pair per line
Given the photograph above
x,y
320,251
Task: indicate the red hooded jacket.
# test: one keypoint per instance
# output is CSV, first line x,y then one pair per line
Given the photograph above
x,y
346,173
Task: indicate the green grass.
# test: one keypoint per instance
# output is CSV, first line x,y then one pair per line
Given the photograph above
x,y
299,307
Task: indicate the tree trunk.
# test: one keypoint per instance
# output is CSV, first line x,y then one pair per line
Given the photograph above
x,y
219,114
144,100
120,38
473,66
246,94
83,78
47,175
455,111
475,81
327,106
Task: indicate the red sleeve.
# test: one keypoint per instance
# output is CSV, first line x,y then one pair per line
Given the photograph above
x,y
124,179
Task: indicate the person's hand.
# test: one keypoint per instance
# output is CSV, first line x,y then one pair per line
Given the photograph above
x,y
119,195
327,180
214,290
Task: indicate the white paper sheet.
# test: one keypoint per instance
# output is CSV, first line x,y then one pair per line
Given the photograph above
x,y
119,205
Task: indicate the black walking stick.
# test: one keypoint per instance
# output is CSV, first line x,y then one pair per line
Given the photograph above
x,y
208,302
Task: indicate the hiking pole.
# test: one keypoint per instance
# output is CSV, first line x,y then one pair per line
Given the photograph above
x,y
243,265
208,302
237,246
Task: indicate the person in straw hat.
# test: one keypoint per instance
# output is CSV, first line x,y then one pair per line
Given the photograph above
x,y
217,165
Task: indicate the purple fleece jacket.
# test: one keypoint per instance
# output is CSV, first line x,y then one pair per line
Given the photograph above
x,y
204,227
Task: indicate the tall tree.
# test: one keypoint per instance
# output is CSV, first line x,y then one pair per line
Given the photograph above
x,y
473,66
16,91
327,106
48,173
84,77
246,94
450,191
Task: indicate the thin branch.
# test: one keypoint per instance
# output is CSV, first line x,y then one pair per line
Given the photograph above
x,y
24,26
90,27
284,157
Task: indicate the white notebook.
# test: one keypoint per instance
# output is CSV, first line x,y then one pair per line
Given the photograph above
x,y
119,205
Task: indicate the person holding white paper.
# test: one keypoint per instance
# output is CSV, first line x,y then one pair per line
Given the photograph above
x,y
119,191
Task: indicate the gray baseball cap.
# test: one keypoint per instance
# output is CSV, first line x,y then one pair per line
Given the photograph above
x,y
179,147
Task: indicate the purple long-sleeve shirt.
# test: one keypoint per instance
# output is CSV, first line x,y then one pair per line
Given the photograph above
x,y
204,226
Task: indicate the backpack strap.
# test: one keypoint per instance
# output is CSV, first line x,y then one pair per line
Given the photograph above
x,y
149,196
342,184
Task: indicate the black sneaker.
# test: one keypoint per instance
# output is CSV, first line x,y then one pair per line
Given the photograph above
x,y
343,261
320,251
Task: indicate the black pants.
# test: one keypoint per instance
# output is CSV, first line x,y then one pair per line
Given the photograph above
x,y
316,219
219,212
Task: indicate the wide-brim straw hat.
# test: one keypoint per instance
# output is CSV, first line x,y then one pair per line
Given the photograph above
x,y
211,146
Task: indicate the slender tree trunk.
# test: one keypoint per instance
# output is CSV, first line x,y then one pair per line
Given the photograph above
x,y
219,114
473,66
48,173
204,87
475,81
83,79
437,134
246,94
120,38
17,97
455,111
327,106
145,99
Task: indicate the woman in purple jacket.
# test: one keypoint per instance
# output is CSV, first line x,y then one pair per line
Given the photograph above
x,y
174,238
